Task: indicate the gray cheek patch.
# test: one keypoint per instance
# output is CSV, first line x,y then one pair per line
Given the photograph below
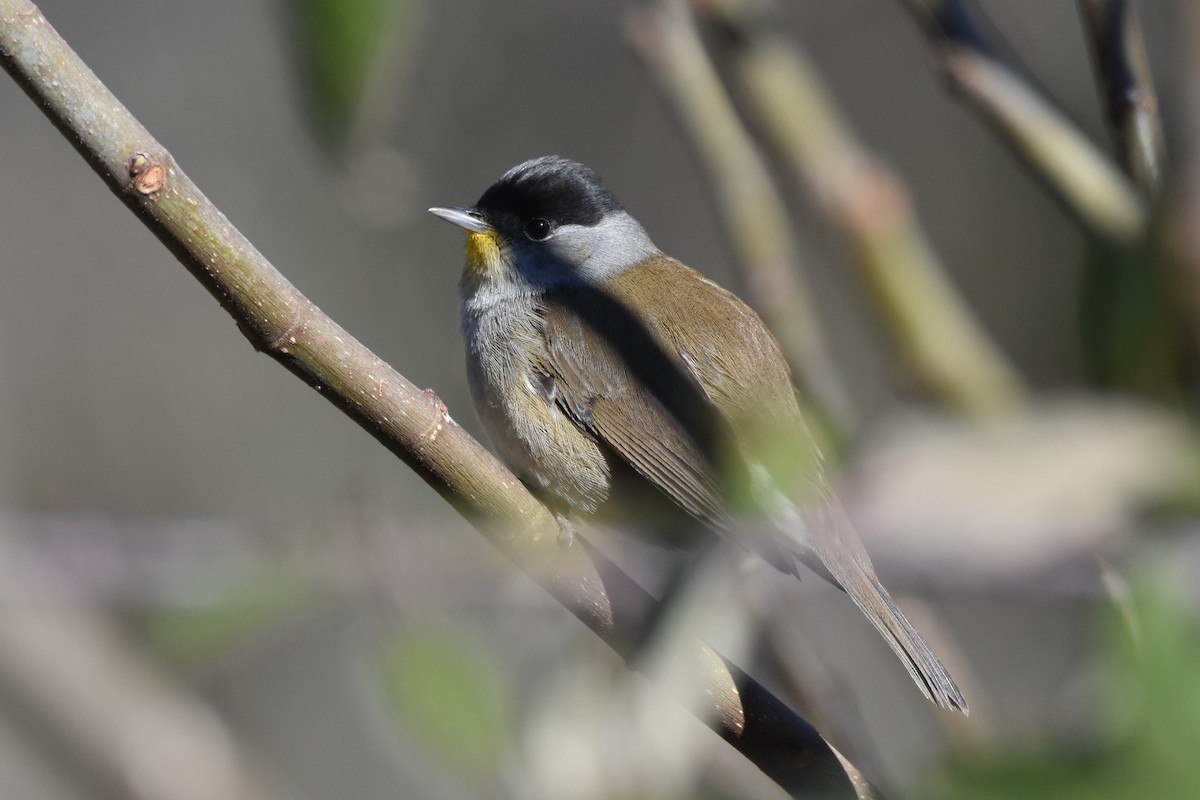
x,y
586,253
617,243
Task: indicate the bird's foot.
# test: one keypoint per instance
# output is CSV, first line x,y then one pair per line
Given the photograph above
x,y
566,531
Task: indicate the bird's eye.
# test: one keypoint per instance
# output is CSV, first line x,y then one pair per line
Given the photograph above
x,y
538,229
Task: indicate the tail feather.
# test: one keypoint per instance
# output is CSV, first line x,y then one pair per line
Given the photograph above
x,y
918,658
820,536
831,548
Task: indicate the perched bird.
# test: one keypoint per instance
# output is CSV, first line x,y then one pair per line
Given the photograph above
x,y
604,369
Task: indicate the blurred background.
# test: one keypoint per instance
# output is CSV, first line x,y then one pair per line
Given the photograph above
x,y
208,576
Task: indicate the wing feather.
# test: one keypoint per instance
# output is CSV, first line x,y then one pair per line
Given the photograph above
x,y
661,423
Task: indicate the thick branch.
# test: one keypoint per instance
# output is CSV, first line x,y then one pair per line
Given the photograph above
x,y
415,425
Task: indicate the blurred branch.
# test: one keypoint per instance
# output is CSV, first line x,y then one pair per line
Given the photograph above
x,y
665,37
1184,220
113,713
1135,332
278,320
938,336
1041,135
1123,73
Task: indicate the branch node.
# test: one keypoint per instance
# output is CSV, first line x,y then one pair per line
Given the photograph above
x,y
440,420
147,177
283,338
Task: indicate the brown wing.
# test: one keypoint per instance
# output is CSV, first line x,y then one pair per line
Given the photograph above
x,y
614,379
651,387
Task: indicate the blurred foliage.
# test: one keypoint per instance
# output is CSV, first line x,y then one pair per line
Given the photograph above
x,y
447,695
243,611
341,45
1133,331
1147,713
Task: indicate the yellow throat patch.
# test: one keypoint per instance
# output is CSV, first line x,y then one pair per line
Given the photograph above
x,y
483,254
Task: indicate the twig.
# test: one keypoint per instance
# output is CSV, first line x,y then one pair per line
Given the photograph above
x,y
1040,134
414,425
665,37
937,335
1123,75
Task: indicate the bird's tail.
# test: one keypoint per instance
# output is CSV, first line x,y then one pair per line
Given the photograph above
x,y
918,658
831,548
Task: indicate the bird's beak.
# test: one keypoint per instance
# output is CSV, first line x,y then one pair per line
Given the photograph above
x,y
466,218
483,241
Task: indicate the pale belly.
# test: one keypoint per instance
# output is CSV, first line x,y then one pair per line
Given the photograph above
x,y
530,433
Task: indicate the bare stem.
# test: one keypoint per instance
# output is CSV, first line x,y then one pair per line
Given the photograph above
x,y
1183,229
1051,146
278,320
1127,87
937,335
666,39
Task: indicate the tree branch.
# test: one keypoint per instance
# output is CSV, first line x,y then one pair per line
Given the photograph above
x,y
665,38
937,335
1040,134
1127,87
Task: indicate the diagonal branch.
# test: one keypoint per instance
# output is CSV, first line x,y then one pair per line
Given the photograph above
x,y
939,338
1039,133
665,37
278,320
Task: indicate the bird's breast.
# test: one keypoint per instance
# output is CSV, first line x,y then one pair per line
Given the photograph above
x,y
515,404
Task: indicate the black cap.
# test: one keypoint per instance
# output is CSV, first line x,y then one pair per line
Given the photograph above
x,y
554,188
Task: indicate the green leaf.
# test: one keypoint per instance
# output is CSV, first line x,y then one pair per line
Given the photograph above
x,y
446,693
1150,716
193,636
342,46
1133,335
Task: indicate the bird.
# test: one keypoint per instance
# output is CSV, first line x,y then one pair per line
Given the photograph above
x,y
602,369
